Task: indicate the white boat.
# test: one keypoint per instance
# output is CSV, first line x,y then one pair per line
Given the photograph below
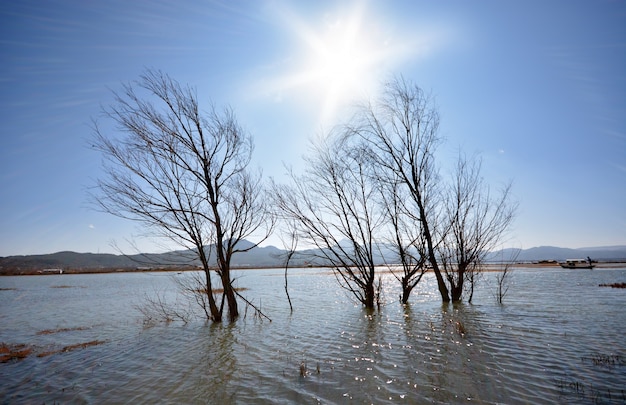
x,y
578,264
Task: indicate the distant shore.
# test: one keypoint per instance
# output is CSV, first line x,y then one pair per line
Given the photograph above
x,y
64,271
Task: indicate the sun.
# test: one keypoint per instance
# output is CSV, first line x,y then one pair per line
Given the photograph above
x,y
338,56
340,61
337,60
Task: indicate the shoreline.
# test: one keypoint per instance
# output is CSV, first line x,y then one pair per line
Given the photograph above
x,y
489,267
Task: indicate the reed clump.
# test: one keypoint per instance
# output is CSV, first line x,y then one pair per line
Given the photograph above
x,y
613,285
72,347
606,360
60,330
10,352
67,286
217,290
460,328
589,392
303,369
14,352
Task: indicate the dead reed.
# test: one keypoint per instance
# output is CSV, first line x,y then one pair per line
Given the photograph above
x,y
14,352
72,347
217,290
59,330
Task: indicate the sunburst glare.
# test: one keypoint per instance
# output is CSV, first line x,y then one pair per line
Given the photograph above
x,y
338,59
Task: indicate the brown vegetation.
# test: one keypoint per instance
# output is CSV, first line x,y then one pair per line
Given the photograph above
x,y
613,285
66,286
14,352
51,331
217,290
20,351
72,347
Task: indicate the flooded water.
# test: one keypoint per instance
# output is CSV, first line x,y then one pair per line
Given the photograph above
x,y
558,338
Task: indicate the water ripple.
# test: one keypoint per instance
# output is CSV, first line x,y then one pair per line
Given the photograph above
x,y
542,346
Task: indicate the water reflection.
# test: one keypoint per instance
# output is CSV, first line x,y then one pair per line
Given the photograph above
x,y
210,373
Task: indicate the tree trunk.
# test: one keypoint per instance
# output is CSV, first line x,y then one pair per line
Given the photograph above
x,y
457,289
457,292
216,315
370,295
441,284
472,283
224,265
229,293
406,290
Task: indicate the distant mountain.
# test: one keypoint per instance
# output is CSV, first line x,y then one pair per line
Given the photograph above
x,y
89,262
269,256
603,253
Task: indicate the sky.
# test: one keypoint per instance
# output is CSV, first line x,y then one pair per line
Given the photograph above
x,y
537,89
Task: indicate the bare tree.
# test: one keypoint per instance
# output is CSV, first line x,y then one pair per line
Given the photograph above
x,y
504,276
477,222
503,279
405,238
400,131
290,243
184,174
450,227
333,206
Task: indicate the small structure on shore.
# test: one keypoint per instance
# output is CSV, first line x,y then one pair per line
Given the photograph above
x,y
578,263
52,271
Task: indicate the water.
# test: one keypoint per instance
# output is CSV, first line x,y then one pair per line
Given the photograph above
x,y
558,338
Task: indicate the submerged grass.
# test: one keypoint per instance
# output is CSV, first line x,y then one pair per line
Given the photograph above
x,y
20,351
588,392
606,360
59,330
67,286
14,352
217,290
72,347
613,285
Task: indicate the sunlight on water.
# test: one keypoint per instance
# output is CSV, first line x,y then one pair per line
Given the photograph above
x,y
559,338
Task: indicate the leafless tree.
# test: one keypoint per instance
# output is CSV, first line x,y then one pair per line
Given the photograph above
x,y
450,227
477,222
503,279
290,243
504,276
184,174
405,237
333,206
157,308
400,131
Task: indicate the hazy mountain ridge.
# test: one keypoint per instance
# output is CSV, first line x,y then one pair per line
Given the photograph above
x,y
268,256
600,253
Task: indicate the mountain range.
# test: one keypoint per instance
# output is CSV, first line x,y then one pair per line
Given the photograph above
x,y
259,257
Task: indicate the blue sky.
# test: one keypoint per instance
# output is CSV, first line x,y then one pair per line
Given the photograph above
x,y
538,89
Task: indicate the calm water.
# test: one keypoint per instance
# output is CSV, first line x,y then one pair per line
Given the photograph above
x,y
559,338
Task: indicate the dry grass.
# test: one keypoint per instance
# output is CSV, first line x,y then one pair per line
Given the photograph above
x,y
67,286
72,347
614,285
14,352
217,290
10,352
460,328
59,330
